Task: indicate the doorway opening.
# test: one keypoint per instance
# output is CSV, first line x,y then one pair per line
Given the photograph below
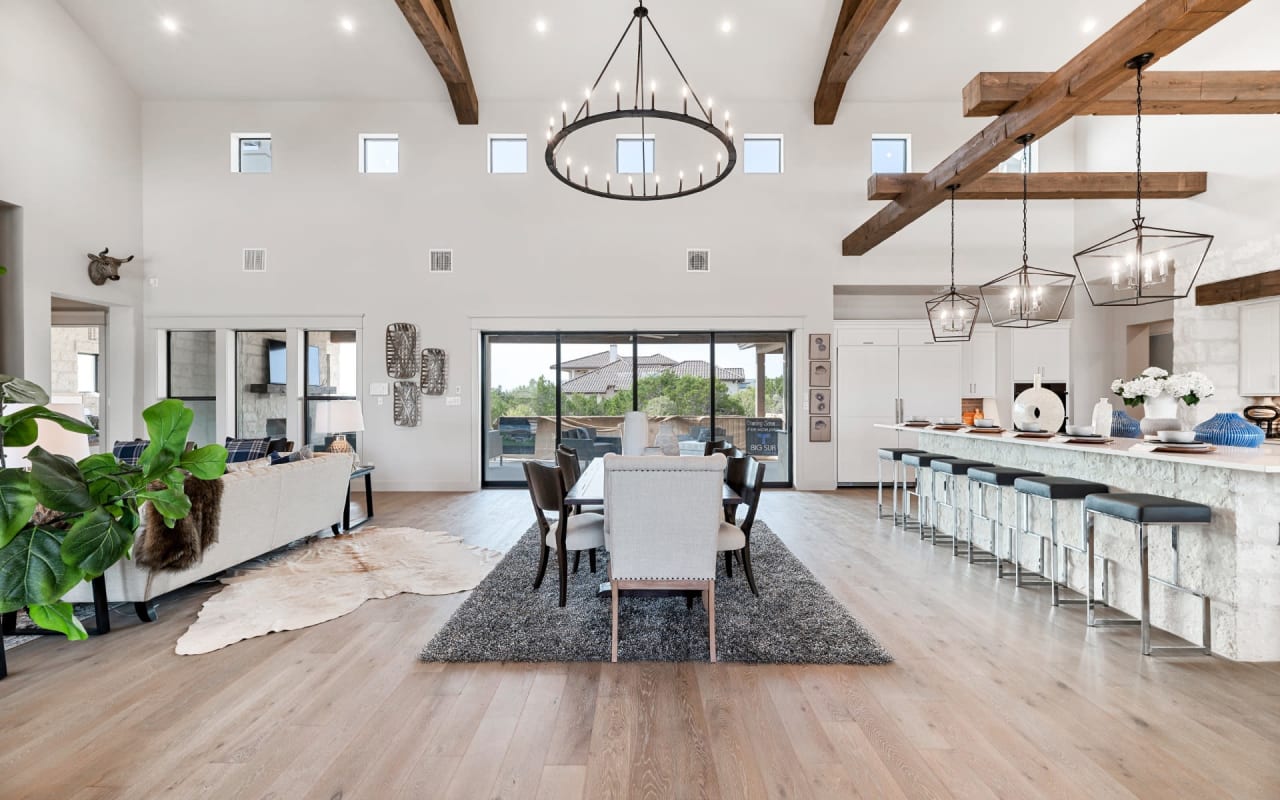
x,y
77,366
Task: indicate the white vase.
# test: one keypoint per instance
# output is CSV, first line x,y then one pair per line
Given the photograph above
x,y
1161,414
635,433
1102,415
666,439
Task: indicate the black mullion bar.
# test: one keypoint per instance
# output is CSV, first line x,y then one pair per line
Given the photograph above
x,y
712,362
635,369
559,405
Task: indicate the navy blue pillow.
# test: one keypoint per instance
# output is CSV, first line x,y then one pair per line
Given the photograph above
x,y
285,458
130,452
246,449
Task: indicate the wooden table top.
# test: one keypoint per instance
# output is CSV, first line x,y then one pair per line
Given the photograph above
x,y
589,490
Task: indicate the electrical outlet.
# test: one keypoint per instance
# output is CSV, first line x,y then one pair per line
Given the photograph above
x,y
453,401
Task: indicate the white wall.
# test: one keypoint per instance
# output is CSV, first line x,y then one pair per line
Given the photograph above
x,y
70,158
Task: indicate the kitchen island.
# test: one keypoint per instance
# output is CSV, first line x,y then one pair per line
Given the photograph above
x,y
1235,559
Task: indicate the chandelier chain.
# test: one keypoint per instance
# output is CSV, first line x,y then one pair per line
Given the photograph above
x,y
953,237
1026,169
1138,211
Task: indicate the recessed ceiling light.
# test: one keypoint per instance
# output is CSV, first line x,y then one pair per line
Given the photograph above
x,y
540,25
1089,25
996,26
726,26
904,26
169,24
347,24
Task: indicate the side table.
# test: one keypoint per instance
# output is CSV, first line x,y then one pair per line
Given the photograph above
x,y
364,471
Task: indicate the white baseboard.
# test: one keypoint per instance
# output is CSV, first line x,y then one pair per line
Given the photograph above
x,y
417,486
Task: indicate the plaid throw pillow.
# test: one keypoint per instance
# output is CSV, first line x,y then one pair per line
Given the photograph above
x,y
246,449
130,452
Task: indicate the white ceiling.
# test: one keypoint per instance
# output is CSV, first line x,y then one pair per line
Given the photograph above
x,y
296,49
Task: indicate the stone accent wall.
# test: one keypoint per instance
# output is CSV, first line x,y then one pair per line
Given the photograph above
x,y
66,343
253,409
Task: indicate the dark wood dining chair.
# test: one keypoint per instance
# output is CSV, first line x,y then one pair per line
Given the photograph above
x,y
569,533
745,476
571,472
713,446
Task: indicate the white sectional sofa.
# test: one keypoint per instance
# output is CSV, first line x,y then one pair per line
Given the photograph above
x,y
262,509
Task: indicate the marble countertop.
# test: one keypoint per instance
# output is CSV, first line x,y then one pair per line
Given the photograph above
x,y
1259,459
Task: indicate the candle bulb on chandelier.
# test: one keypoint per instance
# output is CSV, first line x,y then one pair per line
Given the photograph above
x,y
680,188
684,95
617,93
727,126
586,176
564,114
717,165
606,184
711,113
568,168
587,105
657,179
699,174
653,94
631,185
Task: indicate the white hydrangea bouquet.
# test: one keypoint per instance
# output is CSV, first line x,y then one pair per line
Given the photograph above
x,y
1189,387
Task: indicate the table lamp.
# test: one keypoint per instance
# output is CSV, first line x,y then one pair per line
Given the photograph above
x,y
52,436
340,417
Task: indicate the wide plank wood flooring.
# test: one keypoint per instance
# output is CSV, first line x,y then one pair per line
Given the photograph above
x,y
993,694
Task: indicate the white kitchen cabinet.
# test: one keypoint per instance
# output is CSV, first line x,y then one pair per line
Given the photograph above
x,y
929,381
1260,349
1045,351
978,364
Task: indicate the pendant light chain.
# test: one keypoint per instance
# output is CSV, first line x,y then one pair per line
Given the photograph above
x,y
953,236
1138,211
1026,168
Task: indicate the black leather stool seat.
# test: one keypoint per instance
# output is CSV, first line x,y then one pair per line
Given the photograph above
x,y
1000,476
896,453
1059,488
921,459
956,466
1149,509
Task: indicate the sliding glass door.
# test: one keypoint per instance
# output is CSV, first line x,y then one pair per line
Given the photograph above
x,y
545,389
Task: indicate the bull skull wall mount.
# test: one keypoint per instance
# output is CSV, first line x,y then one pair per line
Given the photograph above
x,y
103,268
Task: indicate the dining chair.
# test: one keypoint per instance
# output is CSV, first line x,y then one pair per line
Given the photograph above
x,y
713,446
577,532
664,514
745,476
571,472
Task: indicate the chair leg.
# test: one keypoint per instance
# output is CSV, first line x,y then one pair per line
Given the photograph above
x,y
577,556
562,561
746,567
728,563
542,567
591,559
614,591
711,617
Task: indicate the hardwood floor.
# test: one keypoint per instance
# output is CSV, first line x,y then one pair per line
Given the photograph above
x,y
993,694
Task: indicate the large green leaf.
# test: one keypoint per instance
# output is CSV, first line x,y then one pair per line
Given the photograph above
x,y
172,504
168,423
95,542
32,572
22,434
57,482
98,466
17,503
206,463
40,412
58,617
17,390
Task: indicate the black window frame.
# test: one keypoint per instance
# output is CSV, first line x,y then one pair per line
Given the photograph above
x,y
307,397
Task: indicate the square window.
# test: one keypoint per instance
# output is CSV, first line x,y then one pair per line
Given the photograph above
x,y
379,153
508,154
890,153
762,154
635,156
254,154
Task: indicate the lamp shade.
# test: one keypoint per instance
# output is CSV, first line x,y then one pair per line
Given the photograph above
x,y
1027,297
952,316
52,437
339,416
1142,265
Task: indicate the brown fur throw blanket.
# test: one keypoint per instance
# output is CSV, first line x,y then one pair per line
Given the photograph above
x,y
161,548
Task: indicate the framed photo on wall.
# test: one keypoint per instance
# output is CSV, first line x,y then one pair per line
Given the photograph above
x,y
820,429
819,347
820,373
820,401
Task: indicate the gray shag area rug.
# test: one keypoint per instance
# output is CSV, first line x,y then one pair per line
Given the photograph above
x,y
795,620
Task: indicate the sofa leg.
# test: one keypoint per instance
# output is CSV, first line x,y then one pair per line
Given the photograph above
x,y
9,623
145,611
101,611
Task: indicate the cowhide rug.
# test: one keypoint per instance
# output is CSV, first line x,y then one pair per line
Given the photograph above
x,y
329,577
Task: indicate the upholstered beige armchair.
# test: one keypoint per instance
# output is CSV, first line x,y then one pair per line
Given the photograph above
x,y
664,513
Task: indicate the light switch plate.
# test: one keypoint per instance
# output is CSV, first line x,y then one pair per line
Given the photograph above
x,y
453,400
379,389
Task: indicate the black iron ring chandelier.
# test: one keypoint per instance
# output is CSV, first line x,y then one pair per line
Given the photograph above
x,y
703,119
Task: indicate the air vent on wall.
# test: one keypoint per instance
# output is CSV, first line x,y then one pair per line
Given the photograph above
x,y
442,261
255,259
699,261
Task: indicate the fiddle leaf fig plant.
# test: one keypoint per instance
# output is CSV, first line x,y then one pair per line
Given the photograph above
x,y
62,521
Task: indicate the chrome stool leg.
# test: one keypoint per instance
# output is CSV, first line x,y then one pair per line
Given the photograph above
x,y
1024,529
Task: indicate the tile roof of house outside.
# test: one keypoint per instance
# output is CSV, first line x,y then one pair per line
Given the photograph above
x,y
604,359
616,376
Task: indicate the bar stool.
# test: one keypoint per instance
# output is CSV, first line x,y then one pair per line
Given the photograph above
x,y
1000,478
1053,489
919,462
951,469
894,456
1144,511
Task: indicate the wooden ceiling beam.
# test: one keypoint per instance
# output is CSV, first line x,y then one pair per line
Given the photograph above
x,y
990,94
1156,26
1052,185
857,27
435,26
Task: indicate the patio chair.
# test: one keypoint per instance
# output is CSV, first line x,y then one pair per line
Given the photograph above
x,y
664,516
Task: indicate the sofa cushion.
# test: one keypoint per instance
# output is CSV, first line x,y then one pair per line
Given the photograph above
x,y
246,449
130,452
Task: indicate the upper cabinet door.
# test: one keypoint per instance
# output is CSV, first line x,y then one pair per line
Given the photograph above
x,y
867,381
978,364
1045,351
1260,349
929,380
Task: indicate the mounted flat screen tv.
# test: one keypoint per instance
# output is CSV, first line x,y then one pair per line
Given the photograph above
x,y
276,361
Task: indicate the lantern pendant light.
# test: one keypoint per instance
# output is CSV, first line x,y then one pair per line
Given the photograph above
x,y
1142,264
1027,297
952,315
